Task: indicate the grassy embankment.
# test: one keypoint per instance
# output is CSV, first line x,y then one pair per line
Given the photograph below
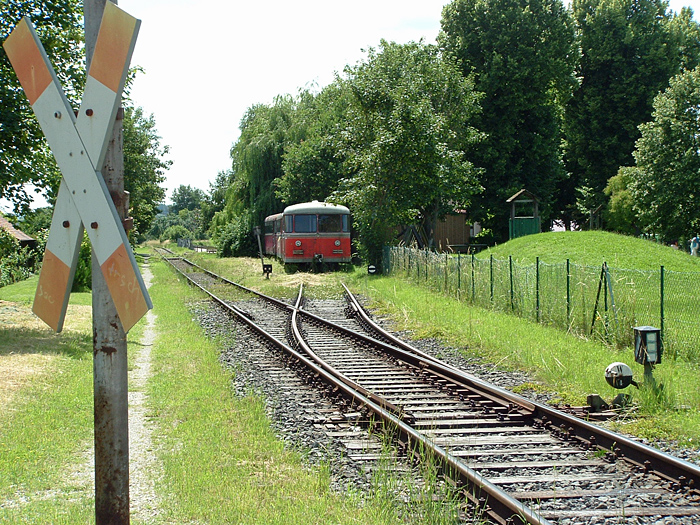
x,y
592,248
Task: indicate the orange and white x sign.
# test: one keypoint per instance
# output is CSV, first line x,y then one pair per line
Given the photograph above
x,y
79,145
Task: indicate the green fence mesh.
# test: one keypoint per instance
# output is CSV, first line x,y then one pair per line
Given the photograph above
x,y
594,301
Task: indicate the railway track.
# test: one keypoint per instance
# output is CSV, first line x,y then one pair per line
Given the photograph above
x,y
515,460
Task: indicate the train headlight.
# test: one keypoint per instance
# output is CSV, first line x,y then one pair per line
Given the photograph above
x,y
297,243
337,242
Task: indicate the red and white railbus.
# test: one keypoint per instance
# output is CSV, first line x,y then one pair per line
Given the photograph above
x,y
309,232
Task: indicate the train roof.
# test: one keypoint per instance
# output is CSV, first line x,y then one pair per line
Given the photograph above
x,y
316,207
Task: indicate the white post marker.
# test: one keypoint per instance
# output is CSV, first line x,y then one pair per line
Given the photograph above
x,y
79,146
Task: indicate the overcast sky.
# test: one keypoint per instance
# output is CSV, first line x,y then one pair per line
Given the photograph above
x,y
207,61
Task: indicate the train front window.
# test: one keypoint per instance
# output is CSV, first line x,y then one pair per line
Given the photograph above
x,y
330,223
305,223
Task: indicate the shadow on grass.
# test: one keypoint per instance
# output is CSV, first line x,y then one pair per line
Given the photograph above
x,y
20,340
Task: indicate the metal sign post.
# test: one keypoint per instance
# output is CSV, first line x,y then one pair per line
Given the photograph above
x,y
80,145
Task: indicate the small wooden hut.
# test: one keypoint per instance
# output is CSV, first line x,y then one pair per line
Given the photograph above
x,y
22,238
524,214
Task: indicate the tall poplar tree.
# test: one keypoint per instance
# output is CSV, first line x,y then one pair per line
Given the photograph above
x,y
522,56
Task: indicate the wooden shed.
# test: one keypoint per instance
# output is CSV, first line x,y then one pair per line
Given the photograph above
x,y
524,214
22,238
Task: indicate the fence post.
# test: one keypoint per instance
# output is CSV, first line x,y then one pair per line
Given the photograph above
x,y
446,268
510,264
473,283
568,293
426,265
459,271
537,288
661,302
491,277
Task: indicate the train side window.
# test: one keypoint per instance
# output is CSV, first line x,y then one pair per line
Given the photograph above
x,y
288,223
346,223
329,223
305,223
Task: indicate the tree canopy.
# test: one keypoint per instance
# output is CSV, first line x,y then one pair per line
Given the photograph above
x,y
185,197
407,126
522,55
630,50
666,180
145,165
25,158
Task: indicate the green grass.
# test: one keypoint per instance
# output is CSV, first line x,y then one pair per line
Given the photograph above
x,y
592,248
46,420
222,462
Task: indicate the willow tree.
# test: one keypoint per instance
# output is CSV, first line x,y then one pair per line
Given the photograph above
x,y
256,163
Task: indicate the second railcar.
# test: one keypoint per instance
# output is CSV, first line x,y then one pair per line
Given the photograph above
x,y
309,232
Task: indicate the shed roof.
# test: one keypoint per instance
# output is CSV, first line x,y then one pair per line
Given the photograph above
x,y
17,234
524,193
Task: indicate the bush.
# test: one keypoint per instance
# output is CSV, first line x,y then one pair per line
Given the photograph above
x,y
236,239
173,233
16,263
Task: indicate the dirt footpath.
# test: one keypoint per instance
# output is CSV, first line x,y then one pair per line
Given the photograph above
x,y
144,469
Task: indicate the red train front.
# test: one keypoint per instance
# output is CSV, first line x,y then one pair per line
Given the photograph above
x,y
309,232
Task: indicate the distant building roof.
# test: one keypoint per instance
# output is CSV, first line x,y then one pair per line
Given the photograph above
x,y
525,194
22,237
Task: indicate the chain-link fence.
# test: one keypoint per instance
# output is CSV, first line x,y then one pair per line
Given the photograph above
x,y
600,301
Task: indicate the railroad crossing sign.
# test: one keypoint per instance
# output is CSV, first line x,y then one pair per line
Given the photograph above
x,y
79,144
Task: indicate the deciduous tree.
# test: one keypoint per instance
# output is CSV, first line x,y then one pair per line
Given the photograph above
x,y
25,159
408,124
630,50
145,165
666,181
522,56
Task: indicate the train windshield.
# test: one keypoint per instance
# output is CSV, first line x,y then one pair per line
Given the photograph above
x,y
332,223
305,223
